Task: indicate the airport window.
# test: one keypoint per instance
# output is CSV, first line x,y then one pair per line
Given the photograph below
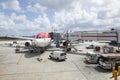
x,y
90,40
62,54
88,55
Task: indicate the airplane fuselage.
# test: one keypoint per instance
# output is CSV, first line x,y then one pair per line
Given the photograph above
x,y
42,42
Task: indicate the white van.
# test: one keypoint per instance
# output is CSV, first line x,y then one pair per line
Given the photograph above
x,y
58,55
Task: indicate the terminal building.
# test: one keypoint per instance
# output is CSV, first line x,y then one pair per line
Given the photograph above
x,y
98,36
108,35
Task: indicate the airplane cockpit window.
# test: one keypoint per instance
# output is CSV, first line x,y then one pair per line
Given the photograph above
x,y
40,37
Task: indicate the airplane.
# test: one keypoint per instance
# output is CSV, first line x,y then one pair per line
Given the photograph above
x,y
39,43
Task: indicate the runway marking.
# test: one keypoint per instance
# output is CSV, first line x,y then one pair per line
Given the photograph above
x,y
19,58
23,73
79,69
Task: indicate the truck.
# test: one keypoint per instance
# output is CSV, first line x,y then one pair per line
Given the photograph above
x,y
107,61
104,60
92,57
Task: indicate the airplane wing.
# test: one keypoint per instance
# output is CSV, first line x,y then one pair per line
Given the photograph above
x,y
24,38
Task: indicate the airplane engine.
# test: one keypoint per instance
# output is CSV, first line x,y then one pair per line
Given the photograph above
x,y
28,43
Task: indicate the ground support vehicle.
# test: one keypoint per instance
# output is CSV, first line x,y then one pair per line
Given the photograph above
x,y
58,55
107,61
92,57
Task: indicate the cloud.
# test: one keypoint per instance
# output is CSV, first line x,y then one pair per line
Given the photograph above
x,y
20,25
54,4
108,14
40,15
15,17
37,8
76,16
98,2
5,22
93,14
11,4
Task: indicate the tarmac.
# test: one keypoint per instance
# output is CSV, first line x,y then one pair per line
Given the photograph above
x,y
36,66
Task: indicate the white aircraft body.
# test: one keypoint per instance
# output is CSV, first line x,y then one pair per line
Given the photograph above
x,y
41,41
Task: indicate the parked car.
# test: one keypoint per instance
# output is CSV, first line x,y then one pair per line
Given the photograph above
x,y
58,55
114,43
90,47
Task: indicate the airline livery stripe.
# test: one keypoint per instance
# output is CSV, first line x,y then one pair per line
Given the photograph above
x,y
98,36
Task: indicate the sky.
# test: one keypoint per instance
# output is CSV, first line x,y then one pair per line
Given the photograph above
x,y
28,17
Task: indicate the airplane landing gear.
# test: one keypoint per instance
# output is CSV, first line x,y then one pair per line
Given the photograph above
x,y
36,50
68,49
